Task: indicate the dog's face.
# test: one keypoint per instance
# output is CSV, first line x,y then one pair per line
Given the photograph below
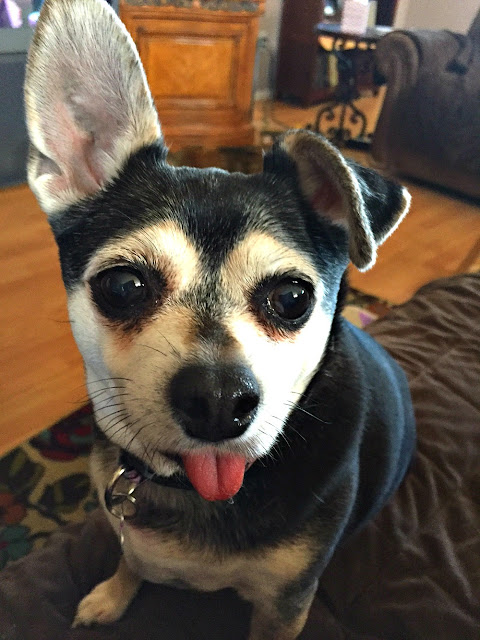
x,y
201,301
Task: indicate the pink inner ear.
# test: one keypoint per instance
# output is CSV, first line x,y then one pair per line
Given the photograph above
x,y
327,200
74,152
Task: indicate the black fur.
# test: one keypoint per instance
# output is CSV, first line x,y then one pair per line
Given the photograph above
x,y
348,442
215,209
349,438
339,463
381,198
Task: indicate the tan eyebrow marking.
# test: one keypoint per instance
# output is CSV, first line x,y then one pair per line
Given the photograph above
x,y
257,257
163,246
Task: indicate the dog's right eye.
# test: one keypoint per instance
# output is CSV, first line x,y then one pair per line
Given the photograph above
x,y
120,291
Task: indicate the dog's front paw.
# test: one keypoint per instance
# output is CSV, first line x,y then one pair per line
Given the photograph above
x,y
103,605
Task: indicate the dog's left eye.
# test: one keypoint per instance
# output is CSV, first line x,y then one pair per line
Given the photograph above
x,y
290,299
119,290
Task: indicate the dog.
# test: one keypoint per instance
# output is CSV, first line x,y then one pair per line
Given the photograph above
x,y
254,427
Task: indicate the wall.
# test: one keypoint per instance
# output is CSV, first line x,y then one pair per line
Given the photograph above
x,y
270,21
13,133
267,50
455,15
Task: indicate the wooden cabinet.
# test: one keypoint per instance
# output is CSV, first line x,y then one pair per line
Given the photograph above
x,y
199,61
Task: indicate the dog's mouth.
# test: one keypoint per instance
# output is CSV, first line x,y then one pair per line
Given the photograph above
x,y
215,475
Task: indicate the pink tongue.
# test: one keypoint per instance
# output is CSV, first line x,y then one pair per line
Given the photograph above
x,y
216,476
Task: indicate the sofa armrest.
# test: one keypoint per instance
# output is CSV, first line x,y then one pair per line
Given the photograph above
x,y
397,58
401,54
402,57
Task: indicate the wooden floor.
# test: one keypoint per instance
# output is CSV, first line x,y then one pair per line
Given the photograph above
x,y
41,377
41,374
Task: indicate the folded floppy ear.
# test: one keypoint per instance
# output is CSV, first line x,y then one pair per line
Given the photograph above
x,y
87,101
366,204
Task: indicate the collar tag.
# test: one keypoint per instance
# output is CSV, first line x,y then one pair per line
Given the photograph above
x,y
119,498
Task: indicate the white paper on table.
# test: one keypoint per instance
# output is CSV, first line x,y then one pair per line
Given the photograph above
x,y
355,16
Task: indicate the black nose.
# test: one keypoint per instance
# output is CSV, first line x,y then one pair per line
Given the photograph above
x,y
214,403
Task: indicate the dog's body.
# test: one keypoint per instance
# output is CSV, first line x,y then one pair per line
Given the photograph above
x,y
337,468
207,309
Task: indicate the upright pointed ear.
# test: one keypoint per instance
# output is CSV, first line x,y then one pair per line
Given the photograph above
x,y
366,204
87,101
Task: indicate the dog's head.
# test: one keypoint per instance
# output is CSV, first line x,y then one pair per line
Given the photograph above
x,y
201,301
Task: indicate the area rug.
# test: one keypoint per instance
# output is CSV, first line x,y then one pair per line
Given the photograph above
x,y
44,483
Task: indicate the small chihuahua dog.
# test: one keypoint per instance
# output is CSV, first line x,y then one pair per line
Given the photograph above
x,y
252,426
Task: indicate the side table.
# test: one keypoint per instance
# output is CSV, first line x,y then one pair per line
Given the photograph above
x,y
346,90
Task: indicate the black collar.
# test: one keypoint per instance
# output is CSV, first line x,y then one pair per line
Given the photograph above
x,y
175,481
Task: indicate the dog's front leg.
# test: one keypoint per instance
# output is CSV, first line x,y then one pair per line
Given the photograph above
x,y
108,600
282,617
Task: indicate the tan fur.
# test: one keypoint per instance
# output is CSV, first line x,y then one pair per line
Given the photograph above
x,y
258,577
163,558
256,257
171,334
284,367
147,360
157,557
88,109
109,599
163,246
267,625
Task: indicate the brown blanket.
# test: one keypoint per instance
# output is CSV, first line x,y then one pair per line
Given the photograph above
x,y
413,573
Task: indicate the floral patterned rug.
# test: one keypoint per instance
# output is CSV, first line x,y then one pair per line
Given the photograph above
x,y
44,483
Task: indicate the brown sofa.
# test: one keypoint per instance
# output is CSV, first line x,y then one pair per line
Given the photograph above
x,y
411,574
429,125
